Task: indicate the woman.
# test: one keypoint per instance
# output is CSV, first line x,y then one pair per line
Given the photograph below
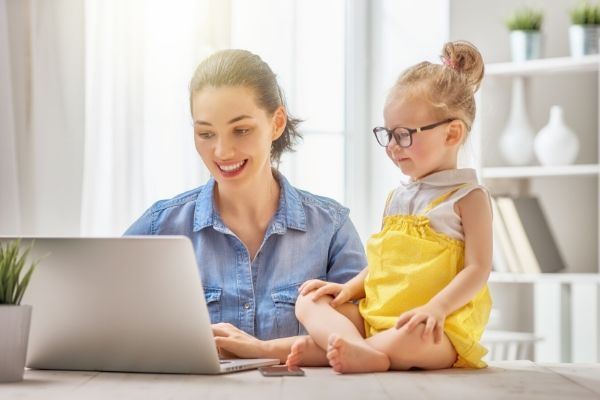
x,y
256,237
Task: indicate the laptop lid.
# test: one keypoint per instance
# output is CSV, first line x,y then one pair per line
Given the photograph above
x,y
132,304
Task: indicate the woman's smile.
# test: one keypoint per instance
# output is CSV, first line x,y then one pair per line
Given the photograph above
x,y
231,169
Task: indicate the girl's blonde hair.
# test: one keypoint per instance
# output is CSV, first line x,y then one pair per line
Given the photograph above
x,y
243,68
449,87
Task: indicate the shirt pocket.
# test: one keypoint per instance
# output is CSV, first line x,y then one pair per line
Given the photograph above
x,y
284,299
212,296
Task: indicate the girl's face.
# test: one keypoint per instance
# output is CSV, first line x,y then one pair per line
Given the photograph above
x,y
233,134
430,150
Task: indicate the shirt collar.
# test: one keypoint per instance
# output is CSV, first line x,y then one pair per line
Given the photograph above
x,y
290,212
448,177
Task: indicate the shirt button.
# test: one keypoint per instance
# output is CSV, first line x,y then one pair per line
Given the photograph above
x,y
247,306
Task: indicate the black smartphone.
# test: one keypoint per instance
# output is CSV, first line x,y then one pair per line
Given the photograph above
x,y
281,370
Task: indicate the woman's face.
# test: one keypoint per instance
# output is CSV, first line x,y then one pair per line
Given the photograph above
x,y
233,134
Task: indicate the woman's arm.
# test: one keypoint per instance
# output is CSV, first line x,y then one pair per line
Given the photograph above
x,y
233,342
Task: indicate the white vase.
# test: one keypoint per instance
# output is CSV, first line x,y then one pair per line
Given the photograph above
x,y
555,143
583,39
516,140
14,334
525,45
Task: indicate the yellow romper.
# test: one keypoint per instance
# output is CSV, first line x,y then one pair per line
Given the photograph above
x,y
409,263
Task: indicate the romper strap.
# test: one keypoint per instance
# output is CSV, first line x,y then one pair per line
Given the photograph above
x,y
443,197
387,202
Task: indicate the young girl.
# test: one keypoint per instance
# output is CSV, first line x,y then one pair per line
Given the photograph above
x,y
423,297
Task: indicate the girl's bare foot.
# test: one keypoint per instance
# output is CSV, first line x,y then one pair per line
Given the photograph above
x,y
352,357
295,358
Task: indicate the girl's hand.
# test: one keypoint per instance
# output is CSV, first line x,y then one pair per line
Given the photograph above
x,y
429,314
319,288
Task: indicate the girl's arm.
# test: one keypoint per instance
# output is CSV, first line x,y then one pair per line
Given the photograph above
x,y
476,216
356,285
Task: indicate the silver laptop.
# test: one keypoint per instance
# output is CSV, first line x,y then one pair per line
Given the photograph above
x,y
131,304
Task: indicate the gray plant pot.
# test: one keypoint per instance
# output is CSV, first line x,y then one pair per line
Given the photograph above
x,y
14,334
525,45
583,39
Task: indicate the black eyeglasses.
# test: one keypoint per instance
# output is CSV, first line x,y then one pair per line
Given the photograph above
x,y
402,136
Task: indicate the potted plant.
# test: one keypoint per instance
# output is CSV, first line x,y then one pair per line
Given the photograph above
x,y
525,26
585,29
14,317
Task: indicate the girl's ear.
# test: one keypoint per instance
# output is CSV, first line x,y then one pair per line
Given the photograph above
x,y
456,133
279,122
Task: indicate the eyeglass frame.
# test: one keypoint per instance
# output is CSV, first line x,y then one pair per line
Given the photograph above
x,y
393,134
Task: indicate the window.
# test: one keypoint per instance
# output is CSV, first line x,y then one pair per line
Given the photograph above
x,y
289,36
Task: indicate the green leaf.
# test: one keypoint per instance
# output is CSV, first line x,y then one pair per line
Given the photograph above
x,y
585,13
13,280
525,19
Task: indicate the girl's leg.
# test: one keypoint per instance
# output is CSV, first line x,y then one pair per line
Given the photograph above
x,y
305,351
405,350
322,321
408,350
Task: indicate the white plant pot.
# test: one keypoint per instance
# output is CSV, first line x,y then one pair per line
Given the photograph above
x,y
525,45
516,140
555,143
14,334
583,39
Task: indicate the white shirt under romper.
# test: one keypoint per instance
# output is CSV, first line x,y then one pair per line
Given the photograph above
x,y
414,196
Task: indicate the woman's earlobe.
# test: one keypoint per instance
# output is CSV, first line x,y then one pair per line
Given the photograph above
x,y
280,121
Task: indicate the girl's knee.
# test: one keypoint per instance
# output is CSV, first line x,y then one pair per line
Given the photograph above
x,y
301,305
415,351
305,303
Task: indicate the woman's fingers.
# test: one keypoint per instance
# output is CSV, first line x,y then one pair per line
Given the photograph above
x,y
225,329
238,346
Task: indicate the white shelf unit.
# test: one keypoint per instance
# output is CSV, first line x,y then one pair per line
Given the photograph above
x,y
563,309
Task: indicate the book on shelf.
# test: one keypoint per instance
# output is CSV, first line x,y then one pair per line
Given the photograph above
x,y
528,230
504,258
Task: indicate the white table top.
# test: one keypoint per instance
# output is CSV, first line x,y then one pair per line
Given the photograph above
x,y
502,380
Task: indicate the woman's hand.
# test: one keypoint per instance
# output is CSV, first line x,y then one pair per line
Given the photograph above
x,y
235,343
429,314
341,294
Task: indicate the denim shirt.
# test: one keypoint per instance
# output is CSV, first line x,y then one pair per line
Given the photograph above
x,y
308,237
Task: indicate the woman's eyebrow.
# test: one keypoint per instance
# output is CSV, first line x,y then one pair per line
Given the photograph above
x,y
239,118
236,119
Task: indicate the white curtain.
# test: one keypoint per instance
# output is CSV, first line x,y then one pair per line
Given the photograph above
x,y
139,148
10,221
41,116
